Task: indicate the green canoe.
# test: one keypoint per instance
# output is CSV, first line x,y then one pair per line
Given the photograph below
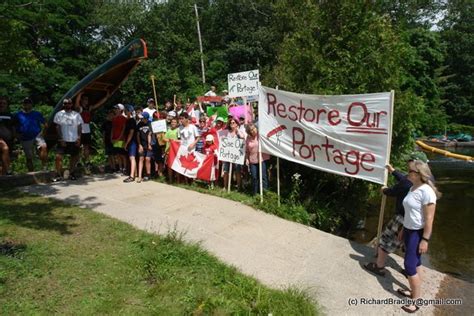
x,y
101,83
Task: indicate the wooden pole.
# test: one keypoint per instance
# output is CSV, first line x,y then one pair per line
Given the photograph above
x,y
278,174
260,175
200,44
389,145
229,182
152,77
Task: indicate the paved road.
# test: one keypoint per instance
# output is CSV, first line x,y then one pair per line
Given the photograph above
x,y
277,252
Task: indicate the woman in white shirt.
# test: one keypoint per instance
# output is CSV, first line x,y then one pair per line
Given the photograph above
x,y
420,205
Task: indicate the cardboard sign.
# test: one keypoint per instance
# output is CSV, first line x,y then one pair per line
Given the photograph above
x,y
158,126
242,84
231,148
349,135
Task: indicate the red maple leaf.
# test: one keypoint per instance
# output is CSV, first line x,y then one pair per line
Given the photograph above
x,y
188,162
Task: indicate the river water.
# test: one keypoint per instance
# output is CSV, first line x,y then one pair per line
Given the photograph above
x,y
451,249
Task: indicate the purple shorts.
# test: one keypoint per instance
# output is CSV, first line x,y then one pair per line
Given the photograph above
x,y
412,240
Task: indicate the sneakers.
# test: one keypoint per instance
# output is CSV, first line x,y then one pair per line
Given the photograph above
x,y
72,177
128,180
57,179
146,178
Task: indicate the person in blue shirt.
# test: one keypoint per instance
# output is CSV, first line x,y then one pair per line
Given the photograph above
x,y
29,125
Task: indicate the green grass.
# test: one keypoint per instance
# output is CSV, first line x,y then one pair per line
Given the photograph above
x,y
60,259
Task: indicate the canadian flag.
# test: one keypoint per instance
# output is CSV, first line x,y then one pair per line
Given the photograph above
x,y
191,164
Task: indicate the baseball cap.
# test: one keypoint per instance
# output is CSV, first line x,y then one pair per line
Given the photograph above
x,y
27,100
146,115
129,108
209,138
172,113
220,119
150,100
119,106
417,155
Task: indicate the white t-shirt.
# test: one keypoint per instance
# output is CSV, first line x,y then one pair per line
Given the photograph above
x,y
149,111
210,93
68,121
188,134
413,205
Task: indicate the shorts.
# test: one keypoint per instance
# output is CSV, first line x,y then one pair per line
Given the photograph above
x,y
109,149
235,167
146,153
30,145
86,139
69,149
158,153
118,147
132,149
389,239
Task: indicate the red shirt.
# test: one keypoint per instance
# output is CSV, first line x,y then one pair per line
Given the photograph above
x,y
86,116
118,125
209,149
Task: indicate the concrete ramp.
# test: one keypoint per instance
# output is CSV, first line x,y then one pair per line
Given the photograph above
x,y
277,252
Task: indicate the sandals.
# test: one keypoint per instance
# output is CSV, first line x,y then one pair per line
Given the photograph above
x,y
407,309
405,293
372,267
129,179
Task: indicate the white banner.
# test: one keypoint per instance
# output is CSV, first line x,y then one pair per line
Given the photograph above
x,y
242,84
231,148
349,135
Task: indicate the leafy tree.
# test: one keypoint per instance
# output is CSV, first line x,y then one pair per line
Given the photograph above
x,y
458,34
341,47
50,39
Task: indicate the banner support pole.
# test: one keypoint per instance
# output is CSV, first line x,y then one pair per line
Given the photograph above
x,y
260,175
229,182
152,77
278,180
384,197
278,175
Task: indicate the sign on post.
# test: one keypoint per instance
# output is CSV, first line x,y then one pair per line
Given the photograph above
x,y
242,84
231,148
349,135
158,126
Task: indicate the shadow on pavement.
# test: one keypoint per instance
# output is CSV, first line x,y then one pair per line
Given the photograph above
x,y
388,282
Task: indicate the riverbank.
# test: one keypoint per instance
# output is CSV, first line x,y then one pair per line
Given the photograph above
x,y
275,251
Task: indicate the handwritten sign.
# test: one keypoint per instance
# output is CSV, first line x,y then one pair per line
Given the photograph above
x,y
158,126
242,84
231,148
348,135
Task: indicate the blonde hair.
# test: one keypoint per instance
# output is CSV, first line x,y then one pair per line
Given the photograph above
x,y
426,175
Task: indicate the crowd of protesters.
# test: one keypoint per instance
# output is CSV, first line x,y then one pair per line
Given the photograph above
x,y
138,153
131,146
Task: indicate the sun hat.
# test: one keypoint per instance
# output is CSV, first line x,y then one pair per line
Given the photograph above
x,y
209,138
417,155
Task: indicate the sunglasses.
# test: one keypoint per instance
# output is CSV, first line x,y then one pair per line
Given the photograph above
x,y
413,171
